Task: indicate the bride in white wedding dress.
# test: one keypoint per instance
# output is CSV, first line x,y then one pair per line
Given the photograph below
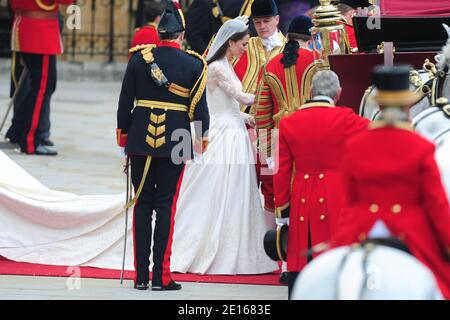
x,y
219,224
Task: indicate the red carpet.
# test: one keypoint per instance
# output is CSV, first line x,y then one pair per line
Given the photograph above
x,y
8,267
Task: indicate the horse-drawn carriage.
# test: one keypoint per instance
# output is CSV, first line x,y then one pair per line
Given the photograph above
x,y
429,54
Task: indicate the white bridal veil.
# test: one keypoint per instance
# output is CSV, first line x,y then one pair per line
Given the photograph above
x,y
229,28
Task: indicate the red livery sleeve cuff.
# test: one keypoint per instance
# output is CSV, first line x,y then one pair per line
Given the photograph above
x,y
121,138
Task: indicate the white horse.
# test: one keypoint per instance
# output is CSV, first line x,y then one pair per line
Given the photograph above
x,y
370,272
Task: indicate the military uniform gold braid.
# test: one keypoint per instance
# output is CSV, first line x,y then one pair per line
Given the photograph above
x,y
200,85
142,47
205,53
131,203
246,9
146,51
257,58
277,87
293,96
46,7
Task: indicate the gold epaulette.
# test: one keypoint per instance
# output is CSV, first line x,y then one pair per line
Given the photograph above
x,y
199,87
141,47
45,7
147,53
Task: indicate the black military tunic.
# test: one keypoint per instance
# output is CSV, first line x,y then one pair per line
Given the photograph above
x,y
153,124
205,17
161,110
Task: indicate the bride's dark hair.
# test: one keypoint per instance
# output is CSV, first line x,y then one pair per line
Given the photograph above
x,y
223,49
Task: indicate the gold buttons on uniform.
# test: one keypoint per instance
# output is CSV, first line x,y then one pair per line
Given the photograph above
x,y
306,176
302,218
321,200
303,200
374,208
322,217
321,176
396,208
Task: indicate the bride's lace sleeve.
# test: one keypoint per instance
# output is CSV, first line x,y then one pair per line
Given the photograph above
x,y
219,76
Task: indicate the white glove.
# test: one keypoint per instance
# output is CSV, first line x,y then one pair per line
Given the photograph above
x,y
268,219
281,221
122,152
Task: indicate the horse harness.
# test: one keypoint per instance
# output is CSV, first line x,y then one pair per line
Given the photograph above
x,y
368,246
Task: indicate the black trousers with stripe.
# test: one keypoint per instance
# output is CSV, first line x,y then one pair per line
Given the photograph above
x,y
159,195
31,120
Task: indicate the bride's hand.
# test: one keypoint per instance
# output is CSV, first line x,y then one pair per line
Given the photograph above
x,y
201,146
251,121
205,143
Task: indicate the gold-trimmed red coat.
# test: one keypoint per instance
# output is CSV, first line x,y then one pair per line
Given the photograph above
x,y
391,175
351,38
36,26
249,66
279,93
313,139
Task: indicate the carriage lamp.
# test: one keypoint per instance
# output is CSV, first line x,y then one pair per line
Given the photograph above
x,y
328,34
328,37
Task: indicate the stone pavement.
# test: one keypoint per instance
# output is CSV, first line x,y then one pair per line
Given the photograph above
x,y
45,288
83,118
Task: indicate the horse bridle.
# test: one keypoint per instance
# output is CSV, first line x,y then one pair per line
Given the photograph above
x,y
434,86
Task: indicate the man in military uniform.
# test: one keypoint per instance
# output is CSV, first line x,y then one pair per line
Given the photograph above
x,y
279,94
167,86
204,18
36,35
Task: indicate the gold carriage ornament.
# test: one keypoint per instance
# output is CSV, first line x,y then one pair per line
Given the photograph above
x,y
328,37
328,34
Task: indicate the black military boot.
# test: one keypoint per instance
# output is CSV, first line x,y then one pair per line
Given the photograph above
x,y
141,286
157,286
